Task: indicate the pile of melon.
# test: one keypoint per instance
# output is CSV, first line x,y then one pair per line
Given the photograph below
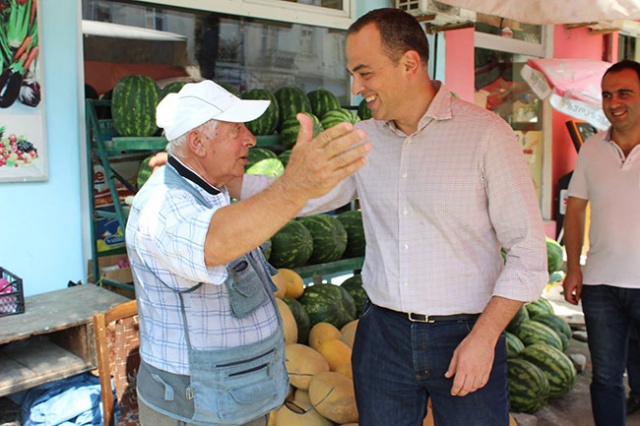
x,y
318,362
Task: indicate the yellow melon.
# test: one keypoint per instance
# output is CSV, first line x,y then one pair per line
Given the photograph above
x,y
293,282
336,352
321,332
302,395
288,321
348,332
287,417
303,363
272,418
280,282
345,369
333,396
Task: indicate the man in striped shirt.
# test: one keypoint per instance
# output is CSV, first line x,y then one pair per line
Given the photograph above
x,y
211,340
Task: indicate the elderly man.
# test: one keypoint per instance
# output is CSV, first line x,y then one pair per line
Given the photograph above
x,y
212,347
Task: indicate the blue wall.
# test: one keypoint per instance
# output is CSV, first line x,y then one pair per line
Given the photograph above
x,y
41,222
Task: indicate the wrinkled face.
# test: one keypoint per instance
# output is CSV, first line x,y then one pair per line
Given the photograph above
x,y
621,99
227,149
375,76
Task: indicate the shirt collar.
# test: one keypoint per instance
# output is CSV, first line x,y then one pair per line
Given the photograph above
x,y
439,108
189,174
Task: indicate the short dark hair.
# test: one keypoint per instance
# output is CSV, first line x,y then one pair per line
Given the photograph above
x,y
399,32
625,64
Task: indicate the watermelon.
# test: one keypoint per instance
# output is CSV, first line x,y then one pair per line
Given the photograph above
x,y
267,123
263,161
514,345
302,319
354,287
284,157
329,237
554,255
133,106
322,101
291,100
291,246
173,87
269,166
559,325
363,110
539,307
556,366
144,172
352,222
528,386
328,303
519,317
532,332
291,127
332,118
257,153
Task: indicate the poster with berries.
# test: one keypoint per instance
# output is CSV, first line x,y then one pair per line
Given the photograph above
x,y
22,122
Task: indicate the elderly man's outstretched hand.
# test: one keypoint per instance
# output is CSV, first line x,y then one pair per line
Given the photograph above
x,y
317,164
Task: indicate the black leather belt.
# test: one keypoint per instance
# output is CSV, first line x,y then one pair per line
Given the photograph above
x,y
413,317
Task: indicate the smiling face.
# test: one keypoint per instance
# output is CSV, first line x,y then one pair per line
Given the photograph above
x,y
375,76
621,99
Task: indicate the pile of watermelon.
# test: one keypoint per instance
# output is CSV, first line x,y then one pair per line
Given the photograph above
x,y
280,118
538,368
318,239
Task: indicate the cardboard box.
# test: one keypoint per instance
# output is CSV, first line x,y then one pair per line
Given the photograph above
x,y
113,267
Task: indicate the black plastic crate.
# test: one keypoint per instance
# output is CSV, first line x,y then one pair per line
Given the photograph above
x,y
11,295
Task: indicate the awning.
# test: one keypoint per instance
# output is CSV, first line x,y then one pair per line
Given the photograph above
x,y
554,11
573,86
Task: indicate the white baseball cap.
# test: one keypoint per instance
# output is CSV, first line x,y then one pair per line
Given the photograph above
x,y
197,103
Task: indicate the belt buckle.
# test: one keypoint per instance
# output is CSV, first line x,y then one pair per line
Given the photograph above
x,y
413,317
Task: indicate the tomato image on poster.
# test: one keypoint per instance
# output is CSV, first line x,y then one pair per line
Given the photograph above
x,y
22,122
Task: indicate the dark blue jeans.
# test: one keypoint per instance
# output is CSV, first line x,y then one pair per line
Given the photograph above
x,y
398,365
633,364
609,313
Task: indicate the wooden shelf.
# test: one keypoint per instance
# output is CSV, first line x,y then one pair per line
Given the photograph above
x,y
53,338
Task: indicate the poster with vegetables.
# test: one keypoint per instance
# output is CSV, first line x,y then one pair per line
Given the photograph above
x,y
22,122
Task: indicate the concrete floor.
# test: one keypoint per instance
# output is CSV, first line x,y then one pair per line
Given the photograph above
x,y
573,409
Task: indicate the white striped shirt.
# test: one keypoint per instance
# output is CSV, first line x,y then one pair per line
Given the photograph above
x,y
437,206
166,232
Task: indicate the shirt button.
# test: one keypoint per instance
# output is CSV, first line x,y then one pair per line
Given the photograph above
x,y
405,211
406,284
405,175
406,247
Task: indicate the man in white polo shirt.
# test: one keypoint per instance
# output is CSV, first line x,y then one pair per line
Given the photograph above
x,y
607,175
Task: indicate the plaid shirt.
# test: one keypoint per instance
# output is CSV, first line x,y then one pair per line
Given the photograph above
x,y
437,206
165,235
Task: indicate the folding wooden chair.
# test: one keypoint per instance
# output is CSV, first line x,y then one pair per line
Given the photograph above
x,y
117,343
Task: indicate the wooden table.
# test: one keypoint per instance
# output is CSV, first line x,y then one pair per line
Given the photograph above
x,y
53,338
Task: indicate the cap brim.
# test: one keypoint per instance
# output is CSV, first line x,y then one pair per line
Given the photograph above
x,y
244,110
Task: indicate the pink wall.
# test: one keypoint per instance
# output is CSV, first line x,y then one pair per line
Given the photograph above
x,y
459,57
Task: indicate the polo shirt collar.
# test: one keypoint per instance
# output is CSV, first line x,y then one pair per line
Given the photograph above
x,y
189,174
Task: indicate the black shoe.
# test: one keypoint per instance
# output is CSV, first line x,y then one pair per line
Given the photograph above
x,y
633,404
